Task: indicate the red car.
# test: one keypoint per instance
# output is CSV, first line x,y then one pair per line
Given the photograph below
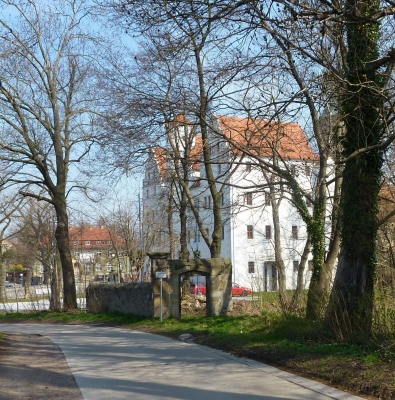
x,y
238,290
199,288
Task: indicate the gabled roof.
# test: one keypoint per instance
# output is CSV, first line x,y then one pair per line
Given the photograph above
x,y
195,154
160,158
180,119
93,234
260,137
265,138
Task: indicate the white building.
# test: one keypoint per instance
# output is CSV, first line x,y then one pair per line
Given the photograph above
x,y
247,210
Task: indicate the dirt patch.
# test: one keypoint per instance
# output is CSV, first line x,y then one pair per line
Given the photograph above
x,y
33,367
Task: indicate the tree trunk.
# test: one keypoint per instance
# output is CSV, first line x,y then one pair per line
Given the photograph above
x,y
350,309
184,253
28,281
3,276
63,243
54,302
297,302
318,291
216,239
170,222
282,284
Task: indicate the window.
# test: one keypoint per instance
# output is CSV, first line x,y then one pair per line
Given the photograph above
x,y
207,202
98,254
98,241
307,170
251,267
248,167
109,267
109,242
267,199
98,267
294,232
87,242
268,232
87,268
250,232
310,265
248,199
296,265
77,254
76,243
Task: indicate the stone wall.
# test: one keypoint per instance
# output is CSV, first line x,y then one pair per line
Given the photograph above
x,y
144,298
132,298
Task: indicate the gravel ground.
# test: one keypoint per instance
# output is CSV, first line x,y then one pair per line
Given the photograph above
x,y
33,367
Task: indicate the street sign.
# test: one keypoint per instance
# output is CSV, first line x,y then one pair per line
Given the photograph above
x,y
161,274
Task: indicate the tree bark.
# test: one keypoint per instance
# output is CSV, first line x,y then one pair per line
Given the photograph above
x,y
350,310
282,284
63,244
3,275
296,302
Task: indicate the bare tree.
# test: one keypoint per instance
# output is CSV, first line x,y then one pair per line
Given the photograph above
x,y
9,207
35,231
193,80
49,106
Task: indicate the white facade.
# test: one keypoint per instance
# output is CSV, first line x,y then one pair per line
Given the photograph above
x,y
247,212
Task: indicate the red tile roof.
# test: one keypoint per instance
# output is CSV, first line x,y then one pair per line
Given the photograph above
x,y
265,138
196,153
93,234
260,137
160,157
180,118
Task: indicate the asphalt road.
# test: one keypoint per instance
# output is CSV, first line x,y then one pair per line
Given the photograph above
x,y
114,363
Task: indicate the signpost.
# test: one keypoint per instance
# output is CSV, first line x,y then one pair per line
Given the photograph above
x,y
161,275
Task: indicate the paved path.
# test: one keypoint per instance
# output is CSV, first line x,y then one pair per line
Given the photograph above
x,y
114,363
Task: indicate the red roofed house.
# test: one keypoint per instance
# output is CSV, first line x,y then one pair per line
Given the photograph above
x,y
99,255
248,230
